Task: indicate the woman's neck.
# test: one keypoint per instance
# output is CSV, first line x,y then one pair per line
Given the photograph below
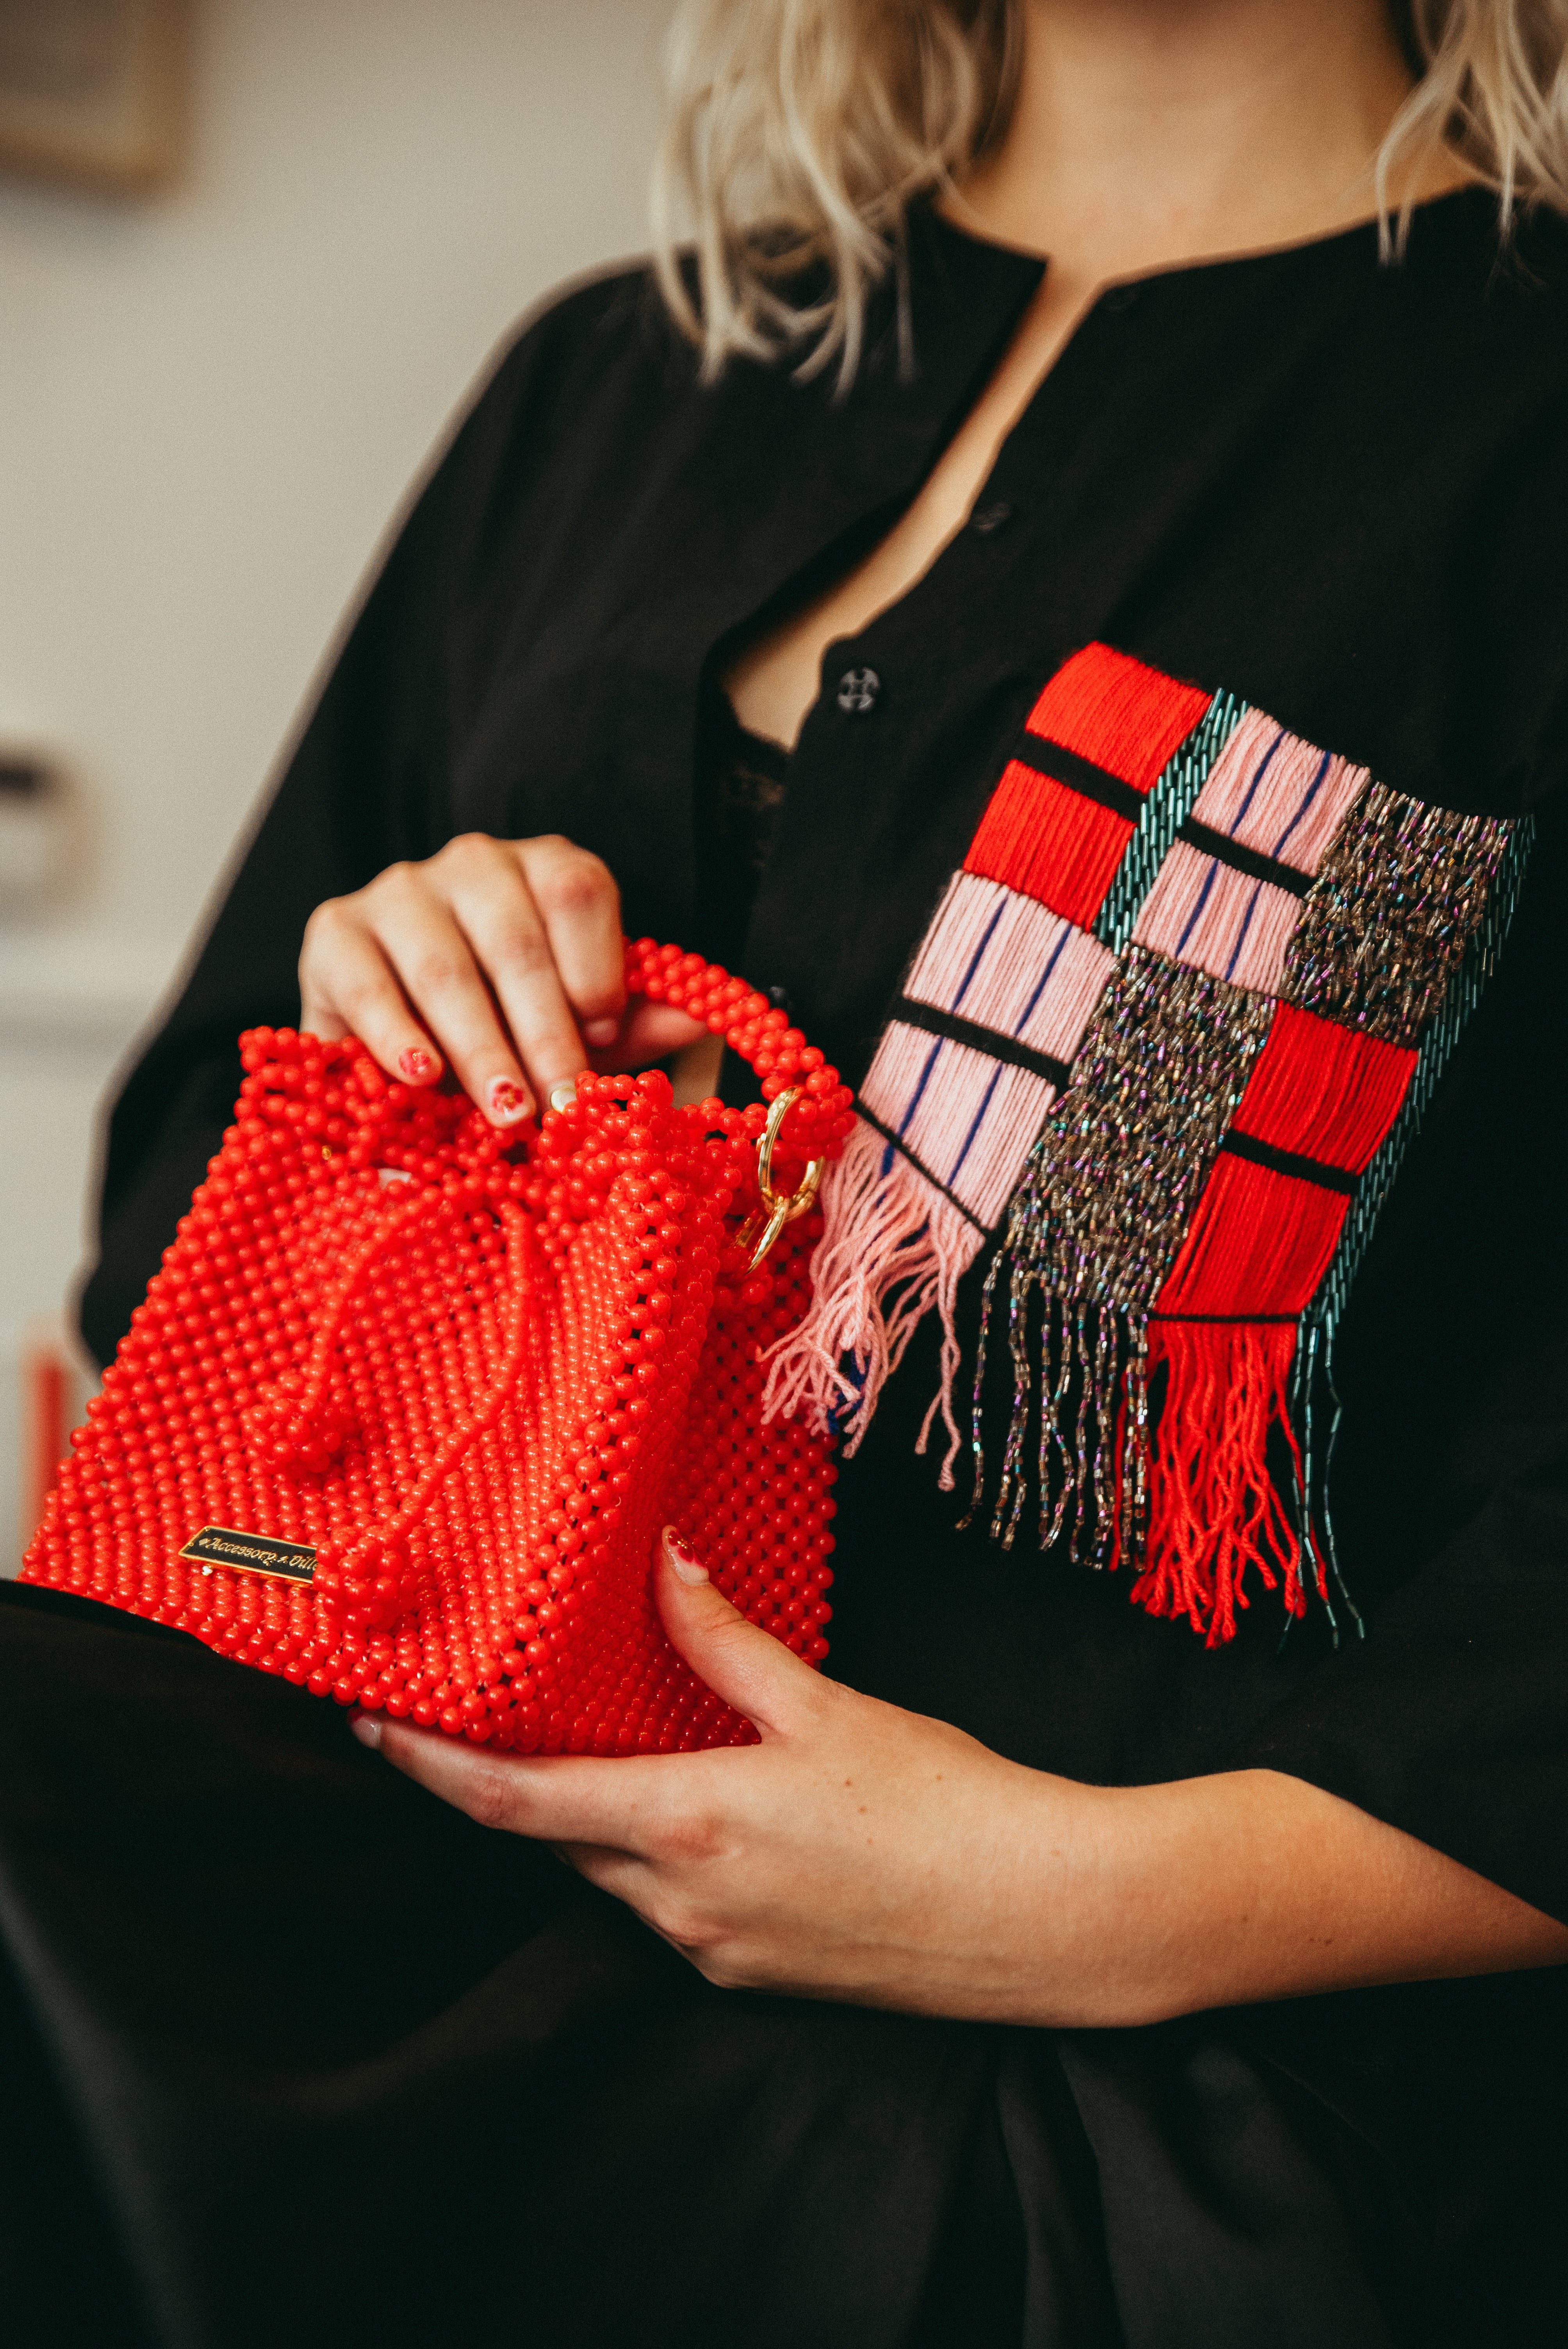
x,y
1147,133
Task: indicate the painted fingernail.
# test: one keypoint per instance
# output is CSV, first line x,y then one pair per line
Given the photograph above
x,y
366,1729
683,1559
418,1066
564,1095
508,1102
600,1032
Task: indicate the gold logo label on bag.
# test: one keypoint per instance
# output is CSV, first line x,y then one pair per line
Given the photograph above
x,y
251,1553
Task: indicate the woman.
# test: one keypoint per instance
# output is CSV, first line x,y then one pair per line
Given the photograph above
x,y
1056,1975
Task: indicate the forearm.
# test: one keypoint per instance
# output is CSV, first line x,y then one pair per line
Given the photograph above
x,y
1163,1900
866,1853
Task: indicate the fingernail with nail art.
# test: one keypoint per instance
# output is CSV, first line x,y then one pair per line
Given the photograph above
x,y
507,1102
417,1066
683,1558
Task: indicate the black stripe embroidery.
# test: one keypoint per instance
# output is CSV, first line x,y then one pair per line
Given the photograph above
x,y
1289,1161
1080,775
1242,859
995,1046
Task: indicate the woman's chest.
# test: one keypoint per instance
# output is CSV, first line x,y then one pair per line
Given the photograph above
x,y
1309,552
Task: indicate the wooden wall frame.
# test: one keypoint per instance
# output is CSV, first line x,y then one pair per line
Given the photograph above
x,y
93,92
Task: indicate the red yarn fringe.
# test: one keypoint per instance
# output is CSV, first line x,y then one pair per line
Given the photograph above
x,y
1213,1509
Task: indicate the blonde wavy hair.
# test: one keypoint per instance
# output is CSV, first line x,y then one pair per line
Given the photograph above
x,y
800,131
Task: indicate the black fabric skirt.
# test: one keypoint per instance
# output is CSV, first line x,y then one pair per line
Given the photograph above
x,y
291,2052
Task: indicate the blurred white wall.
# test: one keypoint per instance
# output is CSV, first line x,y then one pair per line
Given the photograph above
x,y
210,403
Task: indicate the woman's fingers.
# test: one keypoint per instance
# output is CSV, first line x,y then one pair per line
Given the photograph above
x,y
544,919
511,1032
427,944
504,955
348,987
752,1671
580,909
563,1799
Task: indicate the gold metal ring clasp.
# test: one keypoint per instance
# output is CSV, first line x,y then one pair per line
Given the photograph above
x,y
779,1207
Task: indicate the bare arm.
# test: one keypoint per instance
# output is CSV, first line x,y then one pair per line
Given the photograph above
x,y
866,1853
1252,1885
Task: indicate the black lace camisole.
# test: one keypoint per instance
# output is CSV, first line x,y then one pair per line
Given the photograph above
x,y
742,781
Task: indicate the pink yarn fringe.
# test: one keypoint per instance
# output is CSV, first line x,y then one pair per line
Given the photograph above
x,y
891,1248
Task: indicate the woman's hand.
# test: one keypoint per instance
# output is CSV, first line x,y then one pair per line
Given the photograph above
x,y
866,1853
860,1852
502,956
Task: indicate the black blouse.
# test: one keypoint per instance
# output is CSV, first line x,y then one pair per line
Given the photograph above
x,y
1336,486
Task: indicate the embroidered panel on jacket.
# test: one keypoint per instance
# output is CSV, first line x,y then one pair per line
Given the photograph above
x,y
1170,1025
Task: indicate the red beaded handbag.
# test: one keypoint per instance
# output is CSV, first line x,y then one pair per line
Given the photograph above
x,y
404,1410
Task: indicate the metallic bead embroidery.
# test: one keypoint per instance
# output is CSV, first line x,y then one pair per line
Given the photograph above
x,y
1401,893
1096,1223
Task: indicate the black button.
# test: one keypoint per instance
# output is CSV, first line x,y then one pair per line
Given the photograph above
x,y
857,691
989,517
1120,297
